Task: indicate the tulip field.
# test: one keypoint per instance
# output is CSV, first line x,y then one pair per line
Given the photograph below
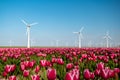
x,y
59,63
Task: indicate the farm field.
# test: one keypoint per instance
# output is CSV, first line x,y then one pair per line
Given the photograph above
x,y
59,63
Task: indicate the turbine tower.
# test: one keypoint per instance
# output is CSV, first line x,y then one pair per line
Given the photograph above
x,y
28,32
79,36
107,37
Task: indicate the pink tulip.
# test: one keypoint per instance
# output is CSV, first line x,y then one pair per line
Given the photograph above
x,y
41,54
37,69
13,67
111,73
92,76
60,61
12,78
4,74
4,59
54,60
43,63
26,63
48,63
31,64
26,73
35,77
69,65
72,75
10,68
97,72
76,74
116,70
104,73
74,53
100,66
51,74
84,55
22,67
87,74
69,76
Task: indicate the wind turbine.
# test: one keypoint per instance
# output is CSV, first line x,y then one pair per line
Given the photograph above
x,y
10,43
107,37
33,42
79,36
57,43
28,32
90,44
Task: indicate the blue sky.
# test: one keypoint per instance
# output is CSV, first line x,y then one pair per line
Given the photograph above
x,y
57,20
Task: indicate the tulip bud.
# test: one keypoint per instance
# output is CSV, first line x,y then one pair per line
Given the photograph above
x,y
92,76
43,62
51,74
4,74
12,78
69,65
100,66
87,74
26,73
35,77
37,69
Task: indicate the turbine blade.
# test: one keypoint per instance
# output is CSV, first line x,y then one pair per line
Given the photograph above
x,y
109,37
105,37
24,22
81,29
33,24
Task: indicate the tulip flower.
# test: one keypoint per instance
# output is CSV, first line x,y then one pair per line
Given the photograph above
x,y
4,59
9,68
68,76
22,67
92,76
31,64
12,78
87,74
100,66
97,72
37,69
54,60
26,73
4,74
60,61
35,77
69,65
72,75
104,73
84,55
43,63
111,73
116,70
51,74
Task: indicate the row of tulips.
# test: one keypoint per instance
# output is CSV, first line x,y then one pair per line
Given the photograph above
x,y
59,63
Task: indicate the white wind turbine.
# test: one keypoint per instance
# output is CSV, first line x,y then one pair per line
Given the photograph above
x,y
90,44
28,32
57,43
107,37
10,43
79,36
